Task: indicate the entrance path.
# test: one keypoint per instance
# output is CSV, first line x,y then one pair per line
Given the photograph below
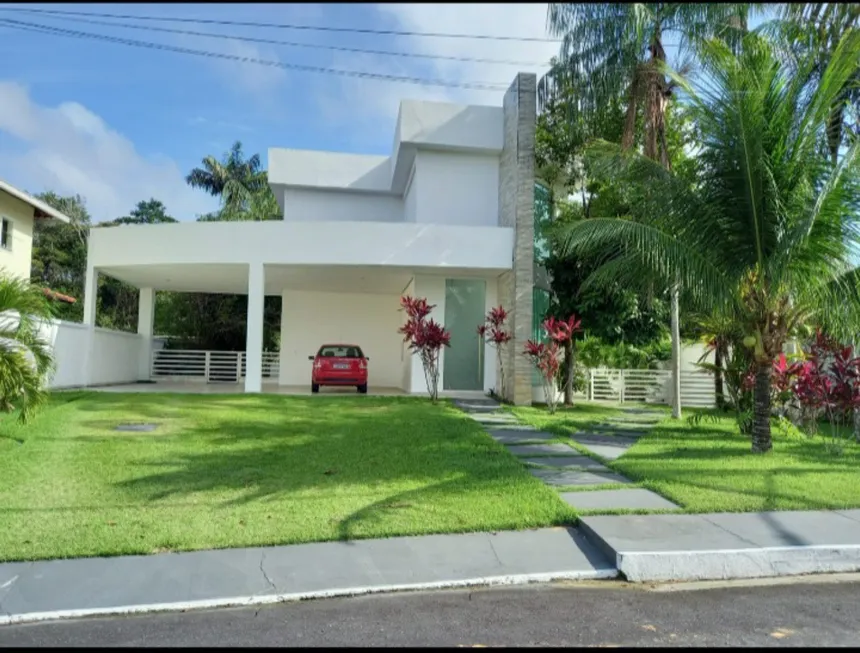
x,y
561,466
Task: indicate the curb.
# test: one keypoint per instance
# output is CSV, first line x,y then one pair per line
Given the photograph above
x,y
738,564
267,599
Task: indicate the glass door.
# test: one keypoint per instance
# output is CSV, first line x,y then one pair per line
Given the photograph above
x,y
465,301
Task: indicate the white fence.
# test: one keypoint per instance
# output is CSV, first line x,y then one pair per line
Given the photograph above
x,y
208,366
649,386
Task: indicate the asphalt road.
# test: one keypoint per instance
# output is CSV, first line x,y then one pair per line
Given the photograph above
x,y
606,615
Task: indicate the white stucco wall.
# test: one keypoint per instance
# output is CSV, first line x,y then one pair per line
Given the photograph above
x,y
115,355
302,243
406,363
371,321
327,206
16,260
410,200
457,188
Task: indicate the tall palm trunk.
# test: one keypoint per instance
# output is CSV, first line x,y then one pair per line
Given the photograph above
x,y
720,355
569,365
761,438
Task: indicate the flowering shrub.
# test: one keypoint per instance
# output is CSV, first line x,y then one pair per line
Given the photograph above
x,y
426,337
545,357
561,332
494,333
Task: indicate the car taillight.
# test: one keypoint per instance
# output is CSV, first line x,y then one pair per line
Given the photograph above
x,y
362,365
317,364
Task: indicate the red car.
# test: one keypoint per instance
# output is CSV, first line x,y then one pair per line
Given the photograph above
x,y
339,365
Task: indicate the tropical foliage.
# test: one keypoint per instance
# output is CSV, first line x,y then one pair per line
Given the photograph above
x,y
425,337
495,333
767,230
25,357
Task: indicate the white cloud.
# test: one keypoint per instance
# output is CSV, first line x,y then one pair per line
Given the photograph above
x,y
71,150
357,102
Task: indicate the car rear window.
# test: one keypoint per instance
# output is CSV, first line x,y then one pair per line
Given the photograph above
x,y
340,351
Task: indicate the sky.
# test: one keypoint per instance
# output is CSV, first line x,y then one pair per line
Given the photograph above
x,y
118,124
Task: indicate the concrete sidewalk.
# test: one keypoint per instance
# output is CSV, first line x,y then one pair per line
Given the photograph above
x,y
723,546
55,589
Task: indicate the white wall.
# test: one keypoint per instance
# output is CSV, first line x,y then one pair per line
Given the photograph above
x,y
410,199
327,206
115,355
371,321
406,362
302,243
457,189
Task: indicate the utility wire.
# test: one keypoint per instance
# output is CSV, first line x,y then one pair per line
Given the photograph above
x,y
47,29
317,28
253,39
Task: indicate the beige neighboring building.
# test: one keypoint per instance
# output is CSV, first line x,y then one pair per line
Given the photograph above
x,y
18,214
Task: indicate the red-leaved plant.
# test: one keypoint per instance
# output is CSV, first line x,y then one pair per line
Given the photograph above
x,y
561,332
426,337
828,384
545,357
494,333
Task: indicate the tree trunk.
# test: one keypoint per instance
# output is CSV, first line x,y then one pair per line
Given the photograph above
x,y
568,363
630,118
761,439
719,357
676,355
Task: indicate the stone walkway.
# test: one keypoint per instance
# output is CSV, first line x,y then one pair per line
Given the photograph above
x,y
562,467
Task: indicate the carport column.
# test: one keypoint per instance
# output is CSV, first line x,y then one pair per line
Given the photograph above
x,y
254,332
91,288
145,327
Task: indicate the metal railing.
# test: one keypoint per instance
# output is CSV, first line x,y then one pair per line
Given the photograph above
x,y
209,366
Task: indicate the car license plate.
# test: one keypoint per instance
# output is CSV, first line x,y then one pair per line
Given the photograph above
x,y
340,366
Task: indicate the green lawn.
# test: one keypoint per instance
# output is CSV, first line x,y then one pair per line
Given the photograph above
x,y
709,467
237,470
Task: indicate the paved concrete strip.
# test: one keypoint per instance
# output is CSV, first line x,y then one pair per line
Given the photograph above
x,y
57,589
565,477
550,449
621,499
576,462
516,436
726,546
605,446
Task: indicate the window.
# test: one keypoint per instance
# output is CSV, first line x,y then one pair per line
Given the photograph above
x,y
6,233
340,351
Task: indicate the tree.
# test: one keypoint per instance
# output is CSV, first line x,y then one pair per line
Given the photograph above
x,y
494,332
59,259
767,230
814,29
235,180
615,50
25,358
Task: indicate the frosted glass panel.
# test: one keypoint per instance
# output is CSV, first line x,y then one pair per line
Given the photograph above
x,y
464,311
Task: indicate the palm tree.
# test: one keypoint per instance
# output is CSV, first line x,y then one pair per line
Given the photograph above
x,y
768,230
814,29
25,358
613,50
234,179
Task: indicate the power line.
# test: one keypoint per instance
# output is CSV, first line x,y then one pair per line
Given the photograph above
x,y
317,28
47,29
253,39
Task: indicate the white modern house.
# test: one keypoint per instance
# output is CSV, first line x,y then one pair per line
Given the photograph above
x,y
447,215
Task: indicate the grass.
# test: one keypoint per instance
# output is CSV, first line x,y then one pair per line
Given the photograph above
x,y
239,470
709,467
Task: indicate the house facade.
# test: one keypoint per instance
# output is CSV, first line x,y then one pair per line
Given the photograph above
x,y
19,213
448,215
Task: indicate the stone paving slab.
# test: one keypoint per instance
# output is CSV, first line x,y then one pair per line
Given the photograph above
x,y
514,436
493,418
573,477
178,581
608,429
622,499
581,462
549,449
606,446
